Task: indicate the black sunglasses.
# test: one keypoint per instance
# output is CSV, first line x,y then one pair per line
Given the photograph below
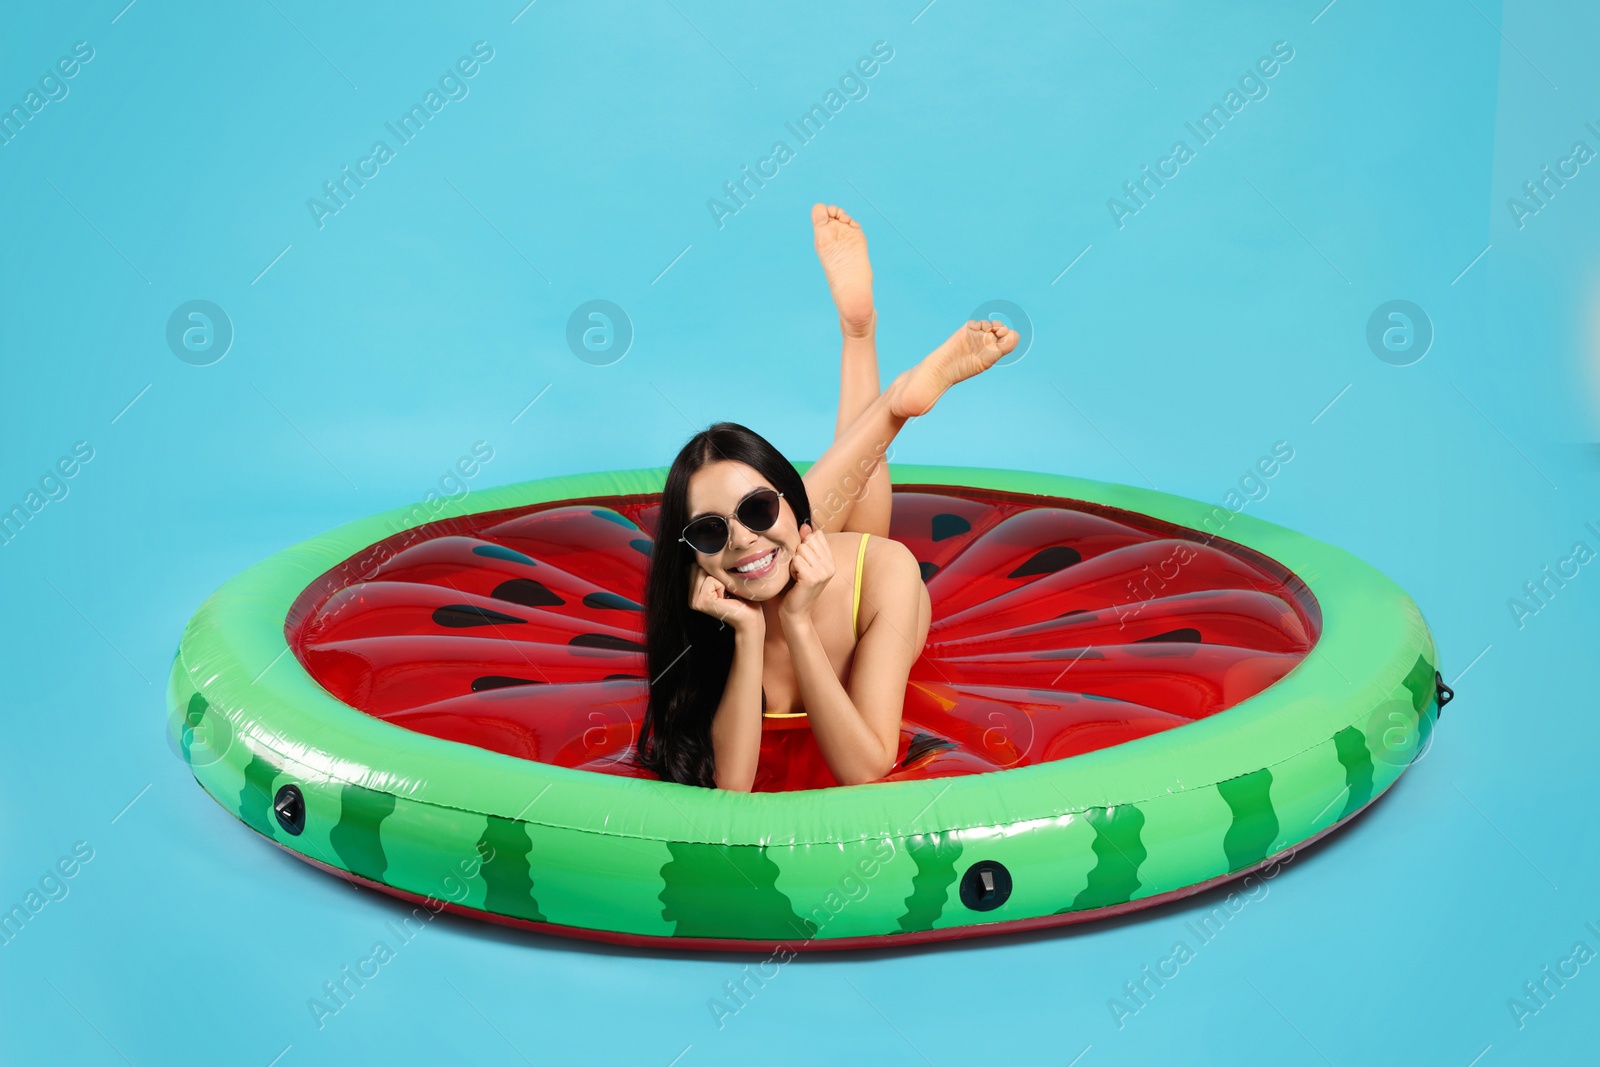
x,y
757,512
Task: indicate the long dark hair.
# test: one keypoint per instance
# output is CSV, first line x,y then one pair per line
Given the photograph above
x,y
689,653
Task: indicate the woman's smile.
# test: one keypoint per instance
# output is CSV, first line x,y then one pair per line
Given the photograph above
x,y
763,565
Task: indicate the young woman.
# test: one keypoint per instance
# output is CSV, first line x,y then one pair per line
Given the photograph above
x,y
743,620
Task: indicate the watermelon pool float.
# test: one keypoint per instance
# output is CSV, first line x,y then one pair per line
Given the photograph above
x,y
1115,707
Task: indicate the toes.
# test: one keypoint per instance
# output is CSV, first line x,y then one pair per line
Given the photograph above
x,y
824,213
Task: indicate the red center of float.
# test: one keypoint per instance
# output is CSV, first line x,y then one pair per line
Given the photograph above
x,y
1059,627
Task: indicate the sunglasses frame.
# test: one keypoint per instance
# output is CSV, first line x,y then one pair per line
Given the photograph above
x,y
728,520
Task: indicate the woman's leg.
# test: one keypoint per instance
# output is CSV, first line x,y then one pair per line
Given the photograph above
x,y
834,482
842,249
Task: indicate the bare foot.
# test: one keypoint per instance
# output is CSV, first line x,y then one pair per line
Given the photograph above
x,y
971,350
842,248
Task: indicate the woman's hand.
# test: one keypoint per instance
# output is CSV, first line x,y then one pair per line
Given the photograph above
x,y
811,567
709,596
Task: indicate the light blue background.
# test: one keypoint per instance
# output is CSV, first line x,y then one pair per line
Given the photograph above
x,y
1228,314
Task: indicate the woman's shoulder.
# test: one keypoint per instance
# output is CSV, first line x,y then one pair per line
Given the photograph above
x,y
844,542
885,560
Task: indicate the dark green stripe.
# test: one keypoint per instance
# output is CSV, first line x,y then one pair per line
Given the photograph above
x,y
1357,760
935,855
1424,697
1425,719
1420,682
1255,823
506,871
1118,854
727,891
355,838
191,722
255,799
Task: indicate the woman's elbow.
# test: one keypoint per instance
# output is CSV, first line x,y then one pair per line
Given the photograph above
x,y
889,757
739,784
875,773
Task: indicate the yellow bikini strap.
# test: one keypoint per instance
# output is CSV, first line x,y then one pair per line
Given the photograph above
x,y
861,555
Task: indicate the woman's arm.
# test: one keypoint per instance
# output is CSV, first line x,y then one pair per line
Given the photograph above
x,y
853,752
859,731
736,726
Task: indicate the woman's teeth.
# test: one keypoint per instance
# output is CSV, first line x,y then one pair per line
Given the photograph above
x,y
756,565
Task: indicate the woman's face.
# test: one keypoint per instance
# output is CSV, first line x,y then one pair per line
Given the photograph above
x,y
716,489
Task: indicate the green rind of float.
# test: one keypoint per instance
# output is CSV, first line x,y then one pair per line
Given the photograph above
x,y
1372,636
1208,796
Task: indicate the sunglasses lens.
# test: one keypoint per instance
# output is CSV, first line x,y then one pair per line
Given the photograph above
x,y
707,535
759,511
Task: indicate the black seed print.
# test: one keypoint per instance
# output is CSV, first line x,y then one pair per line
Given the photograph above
x,y
502,552
458,616
619,644
610,600
1047,561
528,593
1188,633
